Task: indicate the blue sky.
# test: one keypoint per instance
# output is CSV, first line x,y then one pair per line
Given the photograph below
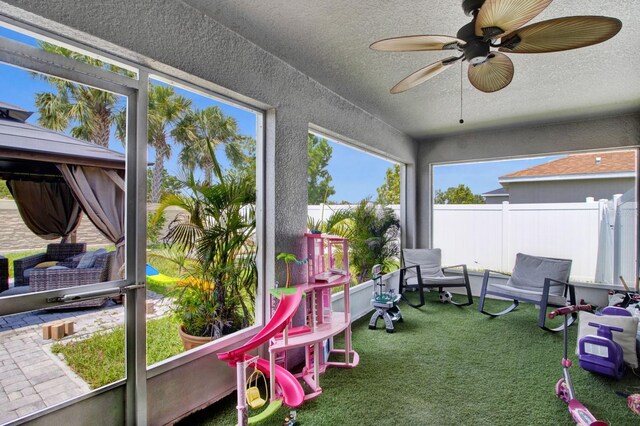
x,y
480,177
352,183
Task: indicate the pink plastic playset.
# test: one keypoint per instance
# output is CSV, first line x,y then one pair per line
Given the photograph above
x,y
327,267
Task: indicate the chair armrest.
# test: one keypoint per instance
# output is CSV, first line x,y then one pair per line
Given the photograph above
x,y
491,271
29,261
401,277
20,265
555,283
487,275
462,265
412,266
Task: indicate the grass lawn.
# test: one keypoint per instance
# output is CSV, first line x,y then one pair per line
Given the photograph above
x,y
451,366
99,359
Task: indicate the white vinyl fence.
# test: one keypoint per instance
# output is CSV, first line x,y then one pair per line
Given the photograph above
x,y
323,211
489,236
598,236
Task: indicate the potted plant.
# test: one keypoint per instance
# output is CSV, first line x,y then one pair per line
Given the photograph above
x,y
217,231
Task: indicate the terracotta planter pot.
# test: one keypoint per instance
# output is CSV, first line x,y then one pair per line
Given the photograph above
x,y
189,341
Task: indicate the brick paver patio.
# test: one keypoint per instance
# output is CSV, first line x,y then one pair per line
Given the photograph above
x,y
31,376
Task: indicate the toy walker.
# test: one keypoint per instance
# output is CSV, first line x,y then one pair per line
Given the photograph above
x,y
564,387
601,354
384,302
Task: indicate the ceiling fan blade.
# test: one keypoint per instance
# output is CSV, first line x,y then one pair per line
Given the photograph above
x,y
417,43
560,34
423,75
497,17
492,75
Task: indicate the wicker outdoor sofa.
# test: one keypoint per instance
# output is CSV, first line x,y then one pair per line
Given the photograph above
x,y
66,273
55,252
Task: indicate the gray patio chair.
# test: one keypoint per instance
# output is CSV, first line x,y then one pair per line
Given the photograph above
x,y
55,252
422,270
542,281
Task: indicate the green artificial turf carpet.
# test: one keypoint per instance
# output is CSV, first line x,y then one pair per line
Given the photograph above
x,y
446,365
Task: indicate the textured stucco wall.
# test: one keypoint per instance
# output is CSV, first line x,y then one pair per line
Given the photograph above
x,y
590,134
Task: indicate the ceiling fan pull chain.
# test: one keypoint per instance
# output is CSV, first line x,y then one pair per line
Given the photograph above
x,y
461,71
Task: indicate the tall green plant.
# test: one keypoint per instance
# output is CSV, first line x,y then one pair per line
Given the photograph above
x,y
218,230
373,232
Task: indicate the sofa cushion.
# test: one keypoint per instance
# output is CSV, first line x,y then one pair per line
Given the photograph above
x,y
530,272
47,264
27,272
430,280
534,296
87,261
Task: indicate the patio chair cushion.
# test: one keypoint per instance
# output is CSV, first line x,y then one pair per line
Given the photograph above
x,y
75,258
47,264
430,261
530,272
57,268
89,258
522,293
626,339
436,280
27,273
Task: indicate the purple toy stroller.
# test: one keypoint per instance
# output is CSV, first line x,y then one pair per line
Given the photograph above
x,y
600,354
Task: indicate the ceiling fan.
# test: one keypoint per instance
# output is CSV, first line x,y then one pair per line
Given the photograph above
x,y
498,24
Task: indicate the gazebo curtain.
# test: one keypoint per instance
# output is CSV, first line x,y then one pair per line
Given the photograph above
x,y
49,209
101,195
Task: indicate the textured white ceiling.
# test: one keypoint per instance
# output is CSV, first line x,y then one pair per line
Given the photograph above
x,y
329,41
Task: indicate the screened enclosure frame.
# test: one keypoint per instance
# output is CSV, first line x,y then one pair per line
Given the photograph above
x,y
135,91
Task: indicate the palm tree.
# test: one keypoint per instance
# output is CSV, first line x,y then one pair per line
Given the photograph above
x,y
202,131
91,110
166,110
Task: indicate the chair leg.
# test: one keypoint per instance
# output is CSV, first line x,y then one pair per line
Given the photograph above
x,y
543,308
467,303
419,305
468,287
541,321
497,314
420,292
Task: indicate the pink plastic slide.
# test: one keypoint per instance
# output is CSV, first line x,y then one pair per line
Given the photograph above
x,y
292,392
281,317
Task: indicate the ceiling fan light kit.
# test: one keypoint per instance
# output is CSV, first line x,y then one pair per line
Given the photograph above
x,y
498,24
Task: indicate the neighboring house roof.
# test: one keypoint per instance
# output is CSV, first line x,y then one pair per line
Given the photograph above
x,y
500,192
602,165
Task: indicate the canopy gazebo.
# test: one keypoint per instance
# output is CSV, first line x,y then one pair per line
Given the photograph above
x,y
54,178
